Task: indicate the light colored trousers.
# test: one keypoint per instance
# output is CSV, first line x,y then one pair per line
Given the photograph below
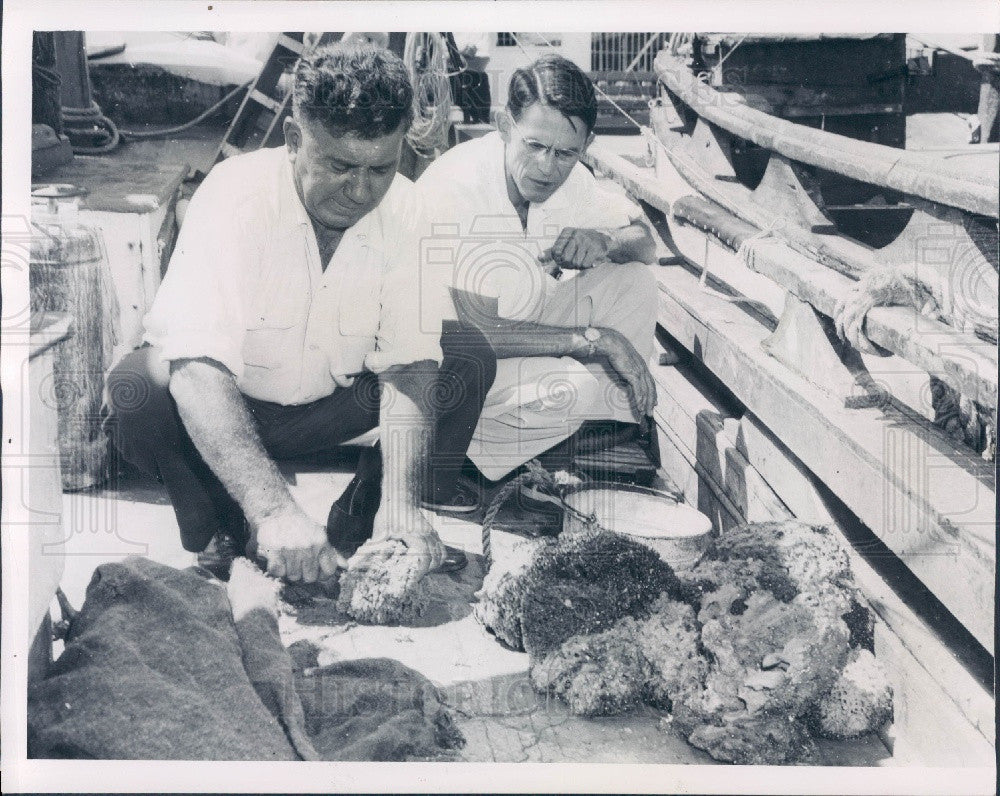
x,y
537,402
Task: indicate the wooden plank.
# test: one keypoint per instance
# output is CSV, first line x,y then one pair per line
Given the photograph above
x,y
286,41
262,99
908,172
878,461
679,403
752,497
639,182
964,361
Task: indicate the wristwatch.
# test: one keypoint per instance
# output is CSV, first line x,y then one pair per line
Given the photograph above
x,y
591,335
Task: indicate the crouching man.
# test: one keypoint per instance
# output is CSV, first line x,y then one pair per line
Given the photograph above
x,y
550,266
294,317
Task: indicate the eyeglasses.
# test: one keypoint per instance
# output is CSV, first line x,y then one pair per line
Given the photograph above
x,y
564,157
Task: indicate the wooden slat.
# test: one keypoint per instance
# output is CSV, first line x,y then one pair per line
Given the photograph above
x,y
286,41
879,462
261,98
964,361
641,183
680,400
908,172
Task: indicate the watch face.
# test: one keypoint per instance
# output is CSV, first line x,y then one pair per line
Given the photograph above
x,y
592,334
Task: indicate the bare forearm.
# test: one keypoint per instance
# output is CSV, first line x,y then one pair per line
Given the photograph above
x,y
534,340
631,244
222,430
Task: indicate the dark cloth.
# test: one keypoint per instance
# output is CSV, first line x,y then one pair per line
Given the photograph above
x,y
375,709
152,670
146,428
155,669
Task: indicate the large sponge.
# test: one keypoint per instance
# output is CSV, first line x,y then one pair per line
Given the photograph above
x,y
859,702
392,591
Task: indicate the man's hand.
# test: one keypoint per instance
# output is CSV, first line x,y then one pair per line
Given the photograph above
x,y
578,249
296,548
420,539
629,364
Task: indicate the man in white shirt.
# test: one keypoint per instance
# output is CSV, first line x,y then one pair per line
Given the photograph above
x,y
550,266
295,316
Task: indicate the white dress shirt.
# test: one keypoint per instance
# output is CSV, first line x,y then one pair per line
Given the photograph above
x,y
475,236
245,286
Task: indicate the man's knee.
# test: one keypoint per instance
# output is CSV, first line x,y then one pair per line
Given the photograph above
x,y
468,357
138,385
637,280
569,387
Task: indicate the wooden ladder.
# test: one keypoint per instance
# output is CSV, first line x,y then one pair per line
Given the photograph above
x,y
250,128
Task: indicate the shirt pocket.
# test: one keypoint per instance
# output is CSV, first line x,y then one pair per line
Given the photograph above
x,y
270,347
274,329
360,301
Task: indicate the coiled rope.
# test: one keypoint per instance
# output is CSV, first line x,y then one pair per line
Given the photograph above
x,y
426,58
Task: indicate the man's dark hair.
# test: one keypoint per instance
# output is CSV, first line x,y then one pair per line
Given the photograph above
x,y
357,89
557,82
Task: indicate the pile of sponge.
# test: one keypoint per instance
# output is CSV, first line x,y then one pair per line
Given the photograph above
x,y
764,644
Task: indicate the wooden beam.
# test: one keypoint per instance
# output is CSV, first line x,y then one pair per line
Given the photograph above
x,y
909,172
962,360
929,503
681,401
640,183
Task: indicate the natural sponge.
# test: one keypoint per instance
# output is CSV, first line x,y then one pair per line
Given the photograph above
x,y
859,702
391,591
584,583
655,660
597,675
670,644
499,606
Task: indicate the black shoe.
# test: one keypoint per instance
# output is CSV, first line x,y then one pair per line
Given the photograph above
x,y
464,500
347,532
454,560
352,516
218,557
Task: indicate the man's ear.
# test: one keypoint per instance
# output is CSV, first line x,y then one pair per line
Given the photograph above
x,y
293,136
504,124
590,139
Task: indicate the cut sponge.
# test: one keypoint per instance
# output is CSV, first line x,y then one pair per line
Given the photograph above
x,y
391,592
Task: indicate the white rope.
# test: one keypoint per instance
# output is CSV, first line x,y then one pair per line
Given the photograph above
x,y
425,56
747,251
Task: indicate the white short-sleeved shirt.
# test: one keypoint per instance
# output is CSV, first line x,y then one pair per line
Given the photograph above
x,y
474,235
245,286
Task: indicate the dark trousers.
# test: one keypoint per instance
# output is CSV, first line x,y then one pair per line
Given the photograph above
x,y
146,428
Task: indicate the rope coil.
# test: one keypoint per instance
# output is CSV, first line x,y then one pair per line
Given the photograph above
x,y
425,56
